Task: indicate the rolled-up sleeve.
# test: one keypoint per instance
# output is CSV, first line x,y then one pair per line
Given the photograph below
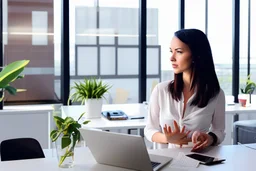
x,y
152,125
218,120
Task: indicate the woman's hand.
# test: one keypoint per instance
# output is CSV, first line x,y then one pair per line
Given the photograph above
x,y
201,140
176,136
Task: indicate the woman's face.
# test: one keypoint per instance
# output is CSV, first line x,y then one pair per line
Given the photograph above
x,y
181,56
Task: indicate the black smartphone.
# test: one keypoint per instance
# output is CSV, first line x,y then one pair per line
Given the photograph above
x,y
206,160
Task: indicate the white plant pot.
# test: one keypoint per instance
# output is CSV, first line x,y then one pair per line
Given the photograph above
x,y
93,108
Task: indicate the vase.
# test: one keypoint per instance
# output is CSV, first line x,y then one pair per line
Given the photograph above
x,y
65,155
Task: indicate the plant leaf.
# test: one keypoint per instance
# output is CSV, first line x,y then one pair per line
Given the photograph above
x,y
11,68
249,88
65,141
11,90
81,116
86,122
10,78
54,135
11,72
68,120
58,121
242,91
75,137
20,77
88,89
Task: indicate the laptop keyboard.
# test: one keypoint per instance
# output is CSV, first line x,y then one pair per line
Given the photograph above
x,y
154,164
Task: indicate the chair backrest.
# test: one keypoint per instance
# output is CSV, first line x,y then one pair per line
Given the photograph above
x,y
121,96
20,148
244,132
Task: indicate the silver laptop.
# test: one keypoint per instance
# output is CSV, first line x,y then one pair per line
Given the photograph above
x,y
122,150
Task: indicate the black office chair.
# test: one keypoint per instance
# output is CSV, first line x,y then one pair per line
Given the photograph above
x,y
244,132
20,148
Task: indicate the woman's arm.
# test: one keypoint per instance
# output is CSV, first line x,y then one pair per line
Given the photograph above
x,y
159,138
218,120
216,133
152,130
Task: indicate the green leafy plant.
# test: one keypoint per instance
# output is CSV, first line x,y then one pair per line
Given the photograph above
x,y
249,87
88,89
9,74
67,128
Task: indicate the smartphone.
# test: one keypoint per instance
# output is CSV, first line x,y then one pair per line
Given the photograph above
x,y
206,160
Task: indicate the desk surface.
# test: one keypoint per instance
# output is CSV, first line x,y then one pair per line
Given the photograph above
x,y
238,158
24,109
136,109
238,109
103,123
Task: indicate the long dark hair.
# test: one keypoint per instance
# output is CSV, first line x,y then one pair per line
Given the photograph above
x,y
203,76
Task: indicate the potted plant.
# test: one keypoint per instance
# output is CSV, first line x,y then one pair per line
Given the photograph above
x,y
9,74
90,92
244,98
66,135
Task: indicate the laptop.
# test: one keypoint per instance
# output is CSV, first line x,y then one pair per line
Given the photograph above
x,y
122,150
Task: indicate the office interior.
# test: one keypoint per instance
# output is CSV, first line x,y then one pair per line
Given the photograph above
x,y
124,43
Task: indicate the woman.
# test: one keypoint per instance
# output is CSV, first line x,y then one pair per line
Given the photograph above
x,y
192,106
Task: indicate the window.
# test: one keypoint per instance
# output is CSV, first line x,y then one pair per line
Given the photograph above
x,y
243,43
253,41
104,44
195,14
220,37
162,22
28,33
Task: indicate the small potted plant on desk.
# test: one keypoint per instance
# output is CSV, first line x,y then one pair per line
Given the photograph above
x,y
244,98
90,92
66,136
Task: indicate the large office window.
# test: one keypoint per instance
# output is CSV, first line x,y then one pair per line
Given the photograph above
x,y
244,36
162,22
195,14
104,44
28,33
220,37
253,40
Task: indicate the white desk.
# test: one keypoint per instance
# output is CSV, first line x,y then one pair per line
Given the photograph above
x,y
237,110
24,109
238,158
137,109
104,124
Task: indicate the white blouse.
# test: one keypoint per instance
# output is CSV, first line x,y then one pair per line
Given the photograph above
x,y
163,109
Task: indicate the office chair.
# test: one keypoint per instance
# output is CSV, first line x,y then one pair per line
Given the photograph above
x,y
244,132
121,96
20,148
